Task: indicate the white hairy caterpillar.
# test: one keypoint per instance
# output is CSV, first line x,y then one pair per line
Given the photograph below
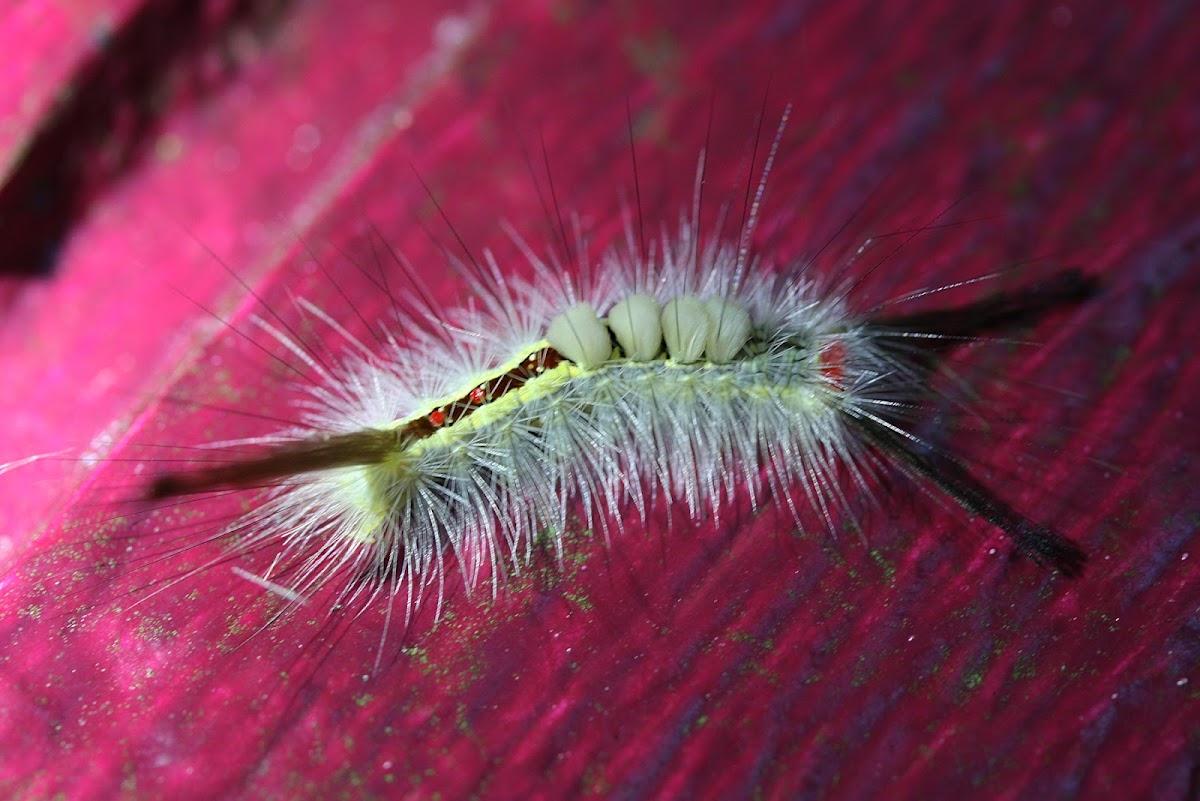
x,y
681,370
908,651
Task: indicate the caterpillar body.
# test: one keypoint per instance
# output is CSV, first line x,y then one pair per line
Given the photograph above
x,y
686,371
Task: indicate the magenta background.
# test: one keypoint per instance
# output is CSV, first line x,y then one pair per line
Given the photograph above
x,y
734,661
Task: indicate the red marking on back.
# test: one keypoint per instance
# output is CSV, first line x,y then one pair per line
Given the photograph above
x,y
437,417
833,363
477,396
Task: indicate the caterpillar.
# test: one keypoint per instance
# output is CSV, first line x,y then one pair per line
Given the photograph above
x,y
682,370
679,659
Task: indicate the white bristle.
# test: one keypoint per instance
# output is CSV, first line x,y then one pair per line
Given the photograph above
x,y
580,335
728,330
685,325
635,323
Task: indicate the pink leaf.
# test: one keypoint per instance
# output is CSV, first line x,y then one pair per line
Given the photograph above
x,y
736,659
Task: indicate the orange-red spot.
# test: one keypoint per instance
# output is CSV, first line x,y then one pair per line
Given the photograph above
x,y
477,396
833,363
437,417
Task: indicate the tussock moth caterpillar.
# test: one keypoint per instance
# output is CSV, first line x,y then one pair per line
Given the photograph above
x,y
558,686
684,370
